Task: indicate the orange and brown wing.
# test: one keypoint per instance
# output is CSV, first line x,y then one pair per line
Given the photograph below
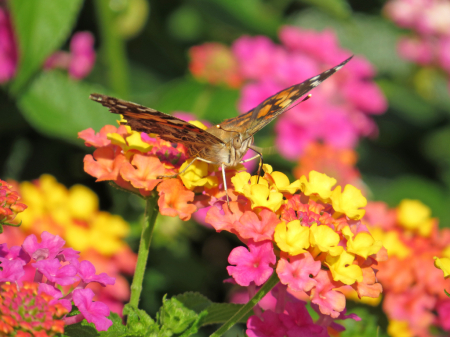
x,y
255,119
143,119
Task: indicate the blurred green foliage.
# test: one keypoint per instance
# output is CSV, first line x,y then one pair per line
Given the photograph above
x,y
41,112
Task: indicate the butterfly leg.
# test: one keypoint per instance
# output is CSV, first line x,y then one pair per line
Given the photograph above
x,y
261,162
184,170
225,184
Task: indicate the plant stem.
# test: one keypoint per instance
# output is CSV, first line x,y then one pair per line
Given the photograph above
x,y
271,282
151,212
113,49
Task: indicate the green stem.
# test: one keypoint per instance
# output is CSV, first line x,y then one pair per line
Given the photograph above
x,y
271,282
151,212
113,49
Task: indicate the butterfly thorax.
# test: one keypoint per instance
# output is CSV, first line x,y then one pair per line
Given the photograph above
x,y
230,152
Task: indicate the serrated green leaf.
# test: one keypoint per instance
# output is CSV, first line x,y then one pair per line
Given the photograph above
x,y
222,312
338,8
41,27
139,322
194,301
117,329
406,102
60,107
175,317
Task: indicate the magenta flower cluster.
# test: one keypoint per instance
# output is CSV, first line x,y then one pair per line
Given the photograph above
x,y
429,20
55,267
8,48
80,61
337,117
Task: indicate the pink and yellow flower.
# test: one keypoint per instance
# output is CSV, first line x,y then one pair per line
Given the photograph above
x,y
316,232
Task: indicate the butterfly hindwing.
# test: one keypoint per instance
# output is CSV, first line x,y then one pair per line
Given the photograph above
x,y
143,119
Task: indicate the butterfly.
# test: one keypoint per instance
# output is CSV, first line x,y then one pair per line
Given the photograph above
x,y
224,144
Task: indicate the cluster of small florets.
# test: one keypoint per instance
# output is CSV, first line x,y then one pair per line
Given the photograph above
x,y
413,289
309,234
9,205
27,311
56,267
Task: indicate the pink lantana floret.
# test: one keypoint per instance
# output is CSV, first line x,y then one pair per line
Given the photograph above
x,y
253,265
94,312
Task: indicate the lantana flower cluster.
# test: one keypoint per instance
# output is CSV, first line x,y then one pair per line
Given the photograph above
x,y
429,42
55,269
25,311
307,233
336,117
9,205
135,161
334,162
414,297
74,215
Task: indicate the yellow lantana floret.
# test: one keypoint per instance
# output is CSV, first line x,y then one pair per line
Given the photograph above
x,y
349,201
283,184
292,238
83,202
363,244
197,175
325,239
391,241
399,329
443,264
342,268
132,142
319,183
259,194
414,215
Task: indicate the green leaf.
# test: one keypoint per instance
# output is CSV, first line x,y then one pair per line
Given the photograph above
x,y
41,27
213,103
175,317
255,15
372,36
60,107
222,312
139,322
338,8
407,103
81,329
194,301
369,325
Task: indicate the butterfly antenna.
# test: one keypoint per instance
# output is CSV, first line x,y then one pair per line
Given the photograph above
x,y
304,99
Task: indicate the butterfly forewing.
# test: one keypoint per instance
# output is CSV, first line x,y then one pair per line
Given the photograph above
x,y
143,119
255,119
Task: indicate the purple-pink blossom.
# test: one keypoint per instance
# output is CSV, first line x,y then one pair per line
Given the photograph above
x,y
81,58
340,108
252,265
8,47
298,272
56,266
94,312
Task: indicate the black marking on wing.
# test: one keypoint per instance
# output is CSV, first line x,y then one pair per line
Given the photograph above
x,y
148,120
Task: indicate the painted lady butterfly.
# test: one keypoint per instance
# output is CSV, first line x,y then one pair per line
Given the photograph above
x,y
224,144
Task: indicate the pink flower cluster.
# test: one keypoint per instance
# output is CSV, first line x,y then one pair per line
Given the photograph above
x,y
8,47
57,267
338,112
430,22
294,320
81,58
414,297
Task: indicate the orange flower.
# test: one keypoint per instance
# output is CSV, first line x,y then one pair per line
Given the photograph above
x,y
174,198
148,168
105,163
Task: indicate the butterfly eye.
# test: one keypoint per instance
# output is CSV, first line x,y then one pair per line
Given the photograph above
x,y
237,142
